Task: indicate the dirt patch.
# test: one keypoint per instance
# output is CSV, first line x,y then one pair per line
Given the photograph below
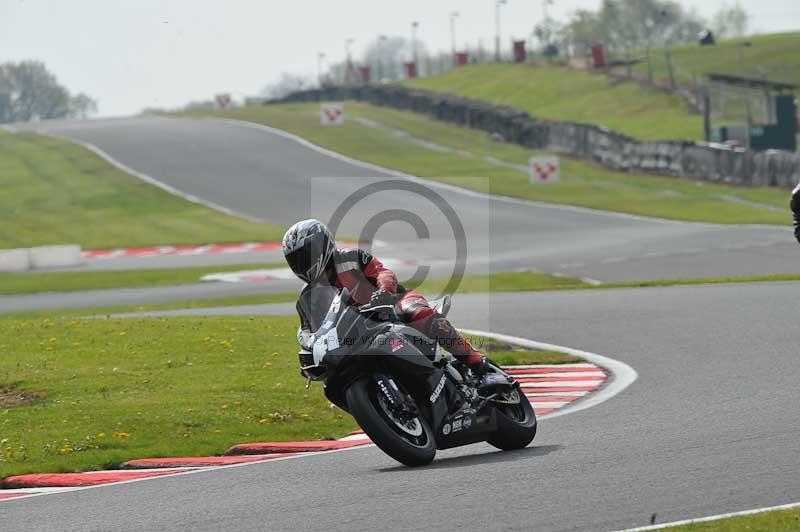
x,y
10,397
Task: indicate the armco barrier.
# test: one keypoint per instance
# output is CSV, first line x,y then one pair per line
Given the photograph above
x,y
14,260
55,256
22,260
693,160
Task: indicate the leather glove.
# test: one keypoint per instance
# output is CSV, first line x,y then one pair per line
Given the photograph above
x,y
306,359
381,297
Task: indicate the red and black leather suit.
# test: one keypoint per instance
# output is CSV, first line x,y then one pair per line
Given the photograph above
x,y
362,274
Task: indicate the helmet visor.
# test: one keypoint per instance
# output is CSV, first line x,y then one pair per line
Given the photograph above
x,y
306,260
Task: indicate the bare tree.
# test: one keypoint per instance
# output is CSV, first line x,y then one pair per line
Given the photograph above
x,y
730,21
286,84
385,56
82,106
626,25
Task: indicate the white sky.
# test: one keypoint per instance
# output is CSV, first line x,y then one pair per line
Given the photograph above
x,y
138,53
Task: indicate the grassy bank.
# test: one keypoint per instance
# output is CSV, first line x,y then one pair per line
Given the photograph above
x,y
87,394
55,192
28,283
558,93
583,184
777,53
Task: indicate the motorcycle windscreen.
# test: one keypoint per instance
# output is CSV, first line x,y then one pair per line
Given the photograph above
x,y
315,302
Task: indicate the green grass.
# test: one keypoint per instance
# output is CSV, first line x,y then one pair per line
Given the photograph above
x,y
501,282
56,192
775,521
28,283
558,93
535,282
107,391
260,299
495,282
507,354
583,184
779,53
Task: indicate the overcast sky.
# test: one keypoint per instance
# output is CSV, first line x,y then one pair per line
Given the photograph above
x,y
162,53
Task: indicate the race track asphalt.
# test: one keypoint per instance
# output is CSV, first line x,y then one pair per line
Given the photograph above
x,y
269,176
710,426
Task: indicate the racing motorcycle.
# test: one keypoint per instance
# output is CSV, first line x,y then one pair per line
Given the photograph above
x,y
410,397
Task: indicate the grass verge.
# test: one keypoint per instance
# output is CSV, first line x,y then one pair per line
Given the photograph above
x,y
105,391
259,299
507,354
583,184
54,192
29,283
496,282
775,521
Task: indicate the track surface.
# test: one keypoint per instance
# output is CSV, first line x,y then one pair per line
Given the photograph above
x,y
272,177
710,426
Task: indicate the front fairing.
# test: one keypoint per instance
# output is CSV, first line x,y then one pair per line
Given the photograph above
x,y
338,328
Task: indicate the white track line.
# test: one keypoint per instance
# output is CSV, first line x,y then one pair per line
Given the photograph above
x,y
713,517
468,192
151,180
621,374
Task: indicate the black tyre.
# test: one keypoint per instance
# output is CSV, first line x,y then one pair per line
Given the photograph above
x,y
517,424
410,442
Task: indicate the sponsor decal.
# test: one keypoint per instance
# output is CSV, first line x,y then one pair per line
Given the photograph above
x,y
386,391
446,429
438,390
395,343
467,422
456,425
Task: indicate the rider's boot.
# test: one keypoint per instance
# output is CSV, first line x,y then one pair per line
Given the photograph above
x,y
450,339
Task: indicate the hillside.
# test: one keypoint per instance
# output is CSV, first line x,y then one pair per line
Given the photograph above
x,y
54,192
557,93
778,54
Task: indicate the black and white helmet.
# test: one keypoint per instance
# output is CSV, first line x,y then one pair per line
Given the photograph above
x,y
308,247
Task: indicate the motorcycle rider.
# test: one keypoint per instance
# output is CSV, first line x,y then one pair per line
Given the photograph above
x,y
795,205
311,252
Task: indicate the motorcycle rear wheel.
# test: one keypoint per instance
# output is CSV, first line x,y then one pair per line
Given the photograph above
x,y
411,444
518,428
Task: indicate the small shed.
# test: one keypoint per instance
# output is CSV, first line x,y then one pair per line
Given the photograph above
x,y
779,129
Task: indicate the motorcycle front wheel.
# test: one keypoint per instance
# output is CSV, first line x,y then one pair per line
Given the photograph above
x,y
516,423
408,440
